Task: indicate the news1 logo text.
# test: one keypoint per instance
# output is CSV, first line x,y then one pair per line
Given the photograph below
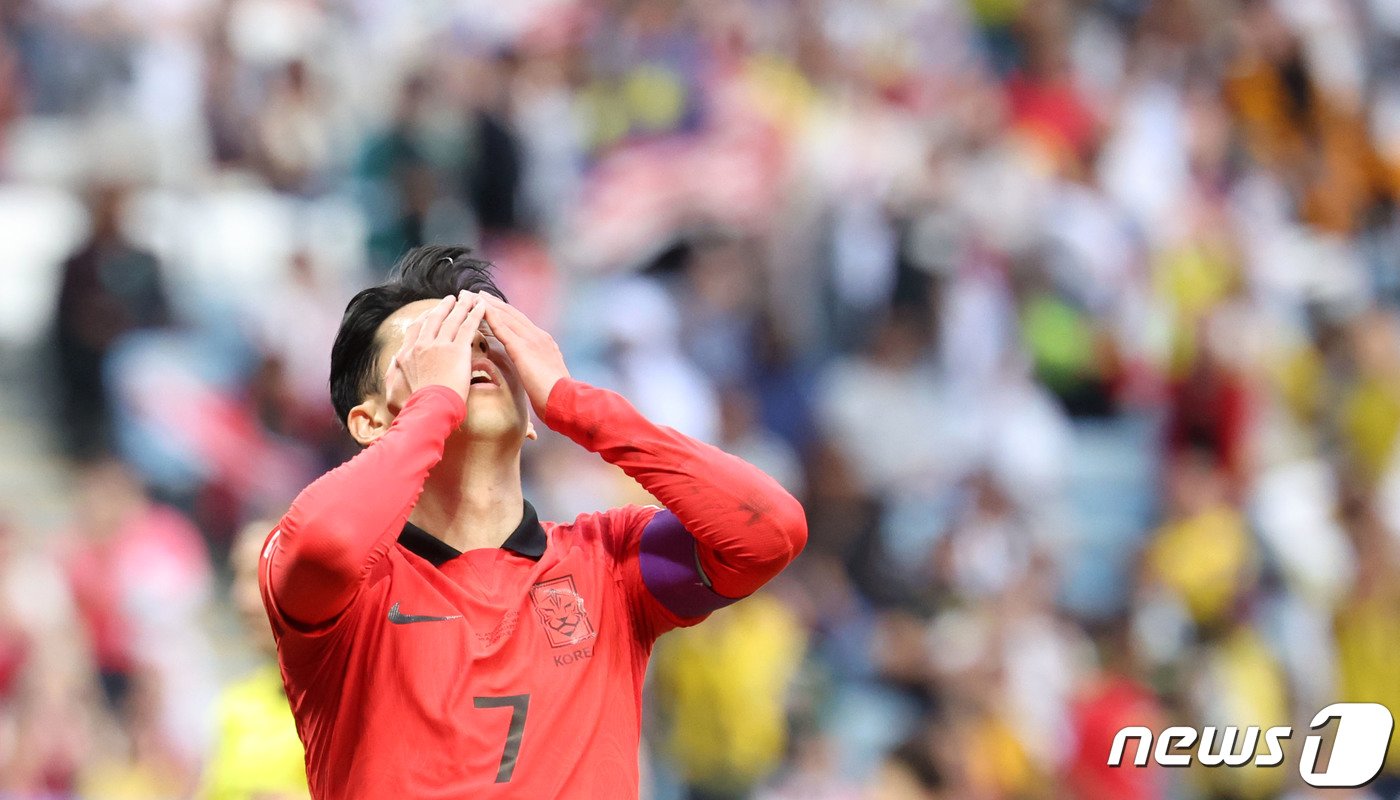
x,y
1358,749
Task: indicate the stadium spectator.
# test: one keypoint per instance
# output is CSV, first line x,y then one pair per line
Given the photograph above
x,y
140,577
257,755
109,287
41,675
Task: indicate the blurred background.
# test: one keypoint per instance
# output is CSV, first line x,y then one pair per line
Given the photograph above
x,y
1072,322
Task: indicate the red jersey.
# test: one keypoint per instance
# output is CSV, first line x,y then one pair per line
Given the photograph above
x,y
417,671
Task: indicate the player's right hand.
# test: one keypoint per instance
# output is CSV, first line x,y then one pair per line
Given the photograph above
x,y
436,349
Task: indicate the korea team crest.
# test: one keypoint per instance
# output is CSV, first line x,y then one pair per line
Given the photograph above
x,y
561,610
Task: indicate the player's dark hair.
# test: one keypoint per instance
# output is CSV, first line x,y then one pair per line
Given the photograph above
x,y
423,273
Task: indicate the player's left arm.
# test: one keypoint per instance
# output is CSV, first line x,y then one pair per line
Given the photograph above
x,y
727,527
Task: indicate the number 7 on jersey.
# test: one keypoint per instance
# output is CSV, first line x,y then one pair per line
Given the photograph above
x,y
520,707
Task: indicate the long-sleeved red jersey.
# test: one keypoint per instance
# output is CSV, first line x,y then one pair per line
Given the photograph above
x,y
417,671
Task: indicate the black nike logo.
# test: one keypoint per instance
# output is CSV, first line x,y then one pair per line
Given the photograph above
x,y
405,619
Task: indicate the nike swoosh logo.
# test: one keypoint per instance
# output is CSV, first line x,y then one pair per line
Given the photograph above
x,y
399,618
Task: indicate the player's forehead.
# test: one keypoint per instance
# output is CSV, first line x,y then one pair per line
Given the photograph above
x,y
391,330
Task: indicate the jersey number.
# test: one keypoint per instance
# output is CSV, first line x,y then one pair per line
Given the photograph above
x,y
519,705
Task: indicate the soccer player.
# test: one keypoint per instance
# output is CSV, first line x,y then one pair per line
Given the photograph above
x,y
436,638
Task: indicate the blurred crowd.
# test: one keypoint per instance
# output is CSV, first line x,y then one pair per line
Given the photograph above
x,y
1075,324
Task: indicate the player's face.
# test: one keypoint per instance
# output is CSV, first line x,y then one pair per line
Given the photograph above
x,y
496,409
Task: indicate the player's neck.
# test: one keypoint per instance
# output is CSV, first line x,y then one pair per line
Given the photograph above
x,y
472,500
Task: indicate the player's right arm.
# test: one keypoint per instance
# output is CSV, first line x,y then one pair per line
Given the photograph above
x,y
339,526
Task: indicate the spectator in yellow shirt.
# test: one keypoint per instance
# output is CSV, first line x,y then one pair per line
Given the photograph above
x,y
257,755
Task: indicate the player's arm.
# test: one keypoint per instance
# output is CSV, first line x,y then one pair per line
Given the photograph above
x,y
727,527
350,517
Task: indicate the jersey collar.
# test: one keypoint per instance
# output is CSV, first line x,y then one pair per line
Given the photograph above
x,y
526,540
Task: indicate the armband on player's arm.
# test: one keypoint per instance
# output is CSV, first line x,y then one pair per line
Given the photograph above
x,y
668,558
745,528
338,526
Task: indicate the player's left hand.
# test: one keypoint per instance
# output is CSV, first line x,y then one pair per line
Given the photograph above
x,y
536,356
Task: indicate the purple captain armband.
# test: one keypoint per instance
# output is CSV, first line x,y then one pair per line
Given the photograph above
x,y
671,570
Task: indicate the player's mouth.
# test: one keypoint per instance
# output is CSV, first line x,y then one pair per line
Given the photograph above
x,y
484,375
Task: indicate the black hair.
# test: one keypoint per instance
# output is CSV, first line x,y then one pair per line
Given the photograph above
x,y
423,273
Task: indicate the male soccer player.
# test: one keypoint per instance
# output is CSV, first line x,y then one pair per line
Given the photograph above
x,y
437,640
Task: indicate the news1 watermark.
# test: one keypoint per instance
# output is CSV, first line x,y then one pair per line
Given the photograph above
x,y
1358,748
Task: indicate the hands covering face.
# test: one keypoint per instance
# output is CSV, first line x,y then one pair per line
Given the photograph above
x,y
438,349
